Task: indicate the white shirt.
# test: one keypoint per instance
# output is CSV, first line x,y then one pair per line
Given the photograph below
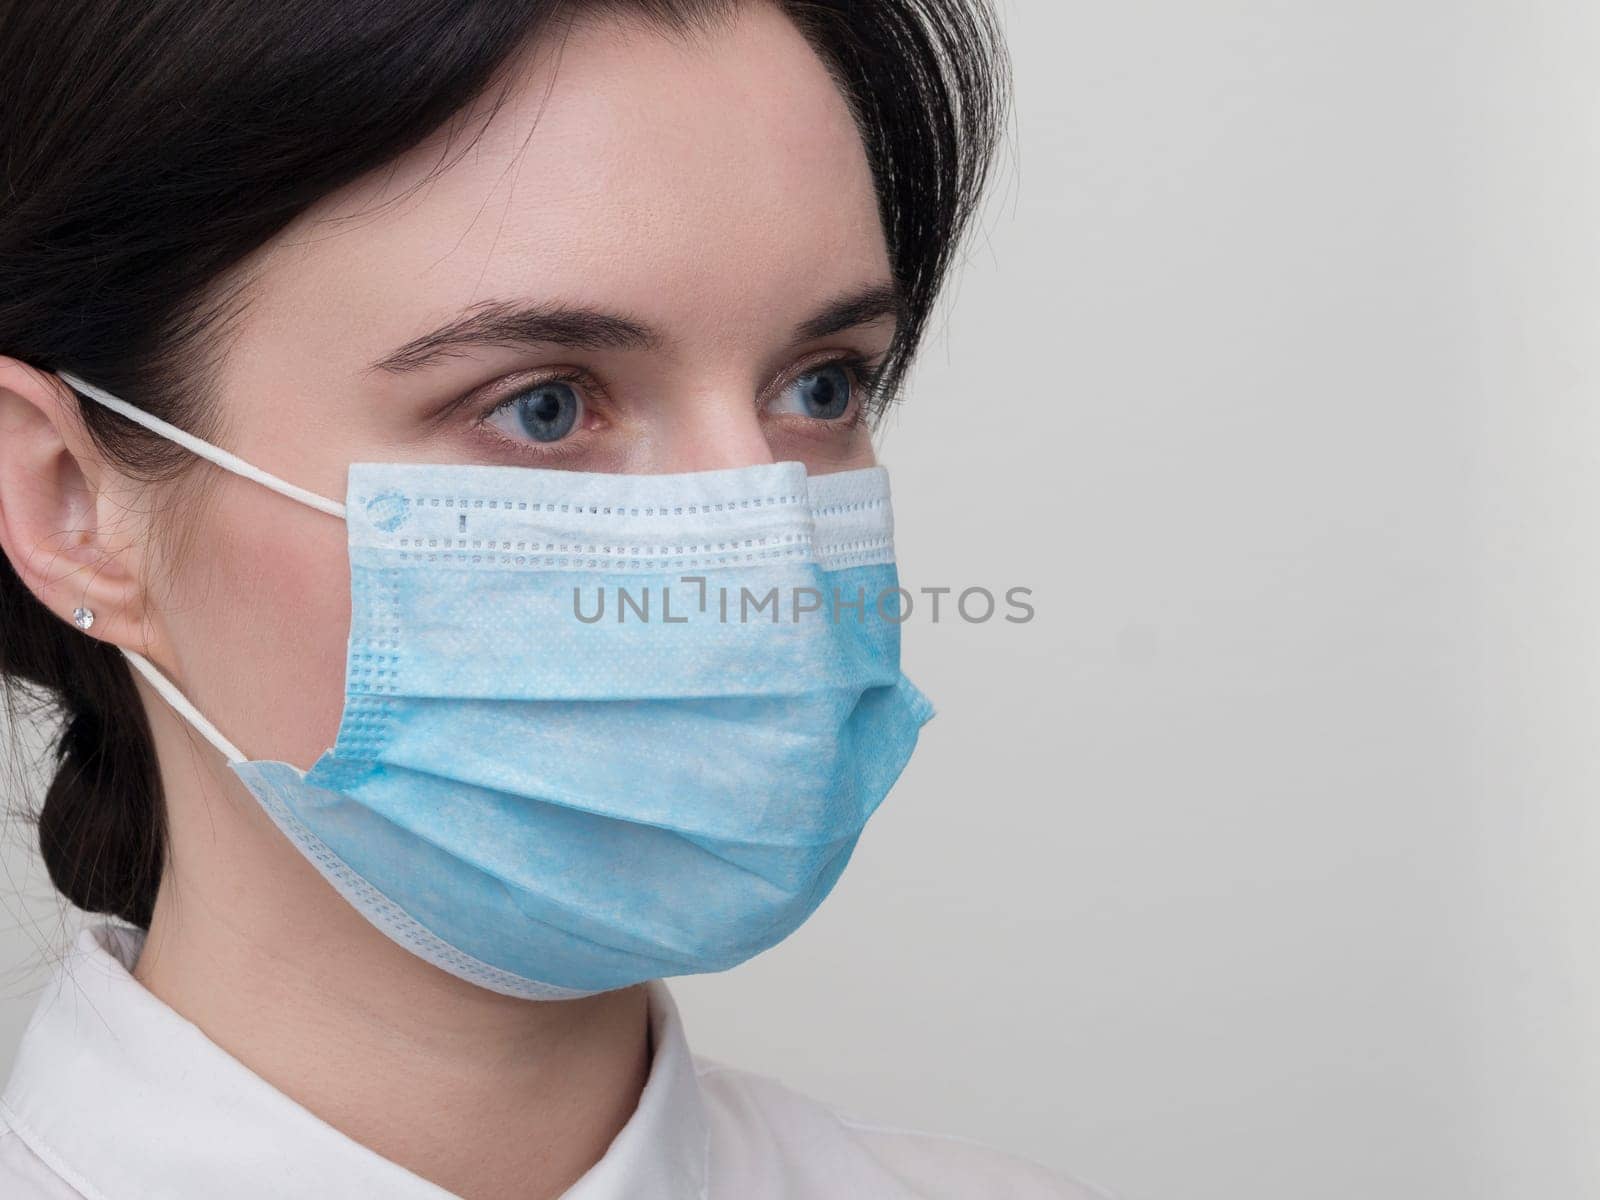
x,y
114,1096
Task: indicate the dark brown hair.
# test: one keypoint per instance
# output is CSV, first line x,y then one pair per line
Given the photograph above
x,y
159,142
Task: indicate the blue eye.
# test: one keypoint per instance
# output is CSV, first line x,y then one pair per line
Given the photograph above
x,y
824,394
545,412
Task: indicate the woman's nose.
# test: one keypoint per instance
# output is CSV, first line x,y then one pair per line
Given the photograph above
x,y
715,431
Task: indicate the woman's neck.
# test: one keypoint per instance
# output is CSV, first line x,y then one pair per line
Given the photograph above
x,y
482,1094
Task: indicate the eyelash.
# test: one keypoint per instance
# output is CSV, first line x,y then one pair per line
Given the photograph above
x,y
864,372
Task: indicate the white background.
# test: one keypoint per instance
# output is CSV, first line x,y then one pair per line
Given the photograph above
x,y
1262,863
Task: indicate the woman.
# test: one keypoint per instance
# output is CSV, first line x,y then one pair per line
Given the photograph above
x,y
357,355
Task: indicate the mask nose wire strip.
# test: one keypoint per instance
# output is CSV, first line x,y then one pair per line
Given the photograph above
x,y
189,712
204,449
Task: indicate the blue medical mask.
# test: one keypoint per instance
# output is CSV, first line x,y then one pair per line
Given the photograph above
x,y
597,729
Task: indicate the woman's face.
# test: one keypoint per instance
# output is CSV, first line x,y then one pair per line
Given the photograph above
x,y
643,260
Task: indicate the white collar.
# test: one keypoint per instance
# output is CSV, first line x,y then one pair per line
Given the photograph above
x,y
121,1096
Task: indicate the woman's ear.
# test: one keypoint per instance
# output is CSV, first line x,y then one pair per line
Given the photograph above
x,y
65,523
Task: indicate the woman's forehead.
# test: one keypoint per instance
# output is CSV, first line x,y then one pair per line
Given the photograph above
x,y
626,168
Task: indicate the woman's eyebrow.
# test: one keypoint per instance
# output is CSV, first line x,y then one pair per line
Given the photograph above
x,y
510,323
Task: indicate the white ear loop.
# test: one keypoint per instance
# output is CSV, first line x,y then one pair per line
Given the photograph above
x,y
228,462
215,454
176,698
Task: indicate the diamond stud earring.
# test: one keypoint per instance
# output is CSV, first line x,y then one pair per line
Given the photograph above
x,y
82,617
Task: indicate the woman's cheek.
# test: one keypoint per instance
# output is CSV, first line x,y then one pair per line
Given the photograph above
x,y
262,633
